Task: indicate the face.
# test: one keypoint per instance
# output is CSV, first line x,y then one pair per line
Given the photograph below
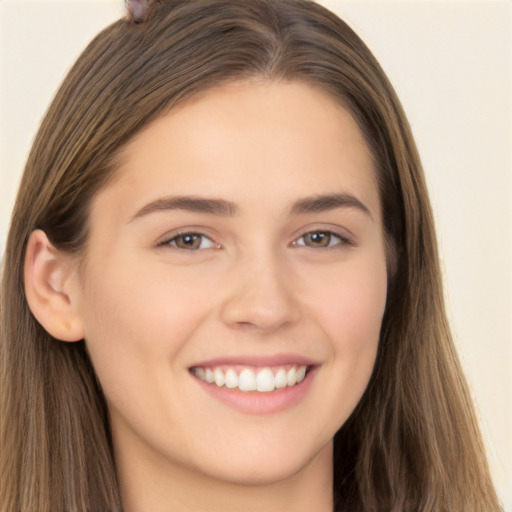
x,y
241,242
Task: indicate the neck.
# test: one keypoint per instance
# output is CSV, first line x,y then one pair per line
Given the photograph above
x,y
164,486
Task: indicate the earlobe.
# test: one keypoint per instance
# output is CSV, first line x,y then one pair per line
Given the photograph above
x,y
49,289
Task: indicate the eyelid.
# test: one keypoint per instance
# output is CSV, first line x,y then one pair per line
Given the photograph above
x,y
166,240
344,239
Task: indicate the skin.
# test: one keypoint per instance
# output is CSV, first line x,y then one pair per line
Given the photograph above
x,y
149,310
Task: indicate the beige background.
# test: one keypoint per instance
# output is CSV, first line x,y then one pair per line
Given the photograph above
x,y
450,62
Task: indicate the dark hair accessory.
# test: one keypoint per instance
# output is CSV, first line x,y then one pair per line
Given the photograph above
x,y
138,10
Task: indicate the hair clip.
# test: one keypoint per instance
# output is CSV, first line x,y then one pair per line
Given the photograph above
x,y
138,10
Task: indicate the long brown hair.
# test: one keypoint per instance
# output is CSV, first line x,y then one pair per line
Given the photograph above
x,y
413,443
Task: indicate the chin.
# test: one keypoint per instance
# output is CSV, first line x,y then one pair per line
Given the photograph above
x,y
246,469
248,475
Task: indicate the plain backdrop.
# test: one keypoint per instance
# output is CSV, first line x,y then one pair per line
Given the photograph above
x,y
450,62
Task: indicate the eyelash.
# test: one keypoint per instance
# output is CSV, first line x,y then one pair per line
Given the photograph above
x,y
342,240
172,241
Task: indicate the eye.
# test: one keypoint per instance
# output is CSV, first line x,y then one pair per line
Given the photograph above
x,y
190,242
320,240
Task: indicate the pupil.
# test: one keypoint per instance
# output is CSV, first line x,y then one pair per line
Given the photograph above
x,y
190,241
319,238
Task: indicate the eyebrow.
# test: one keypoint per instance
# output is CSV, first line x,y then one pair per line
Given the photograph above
x,y
322,203
222,207
191,203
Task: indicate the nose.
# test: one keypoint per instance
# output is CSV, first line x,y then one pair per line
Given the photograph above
x,y
260,296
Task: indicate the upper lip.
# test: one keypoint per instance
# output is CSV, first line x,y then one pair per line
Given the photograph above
x,y
271,360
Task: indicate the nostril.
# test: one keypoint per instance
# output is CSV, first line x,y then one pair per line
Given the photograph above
x,y
243,325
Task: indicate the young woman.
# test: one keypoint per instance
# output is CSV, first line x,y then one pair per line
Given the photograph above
x,y
221,286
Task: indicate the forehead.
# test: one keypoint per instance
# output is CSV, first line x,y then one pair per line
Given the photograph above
x,y
248,141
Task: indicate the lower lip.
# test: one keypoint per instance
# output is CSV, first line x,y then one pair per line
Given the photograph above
x,y
254,402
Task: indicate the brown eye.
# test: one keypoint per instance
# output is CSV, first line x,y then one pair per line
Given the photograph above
x,y
317,239
190,242
320,240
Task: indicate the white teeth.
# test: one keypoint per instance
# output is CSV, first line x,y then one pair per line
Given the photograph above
x,y
264,381
219,377
280,378
208,376
231,379
291,376
247,380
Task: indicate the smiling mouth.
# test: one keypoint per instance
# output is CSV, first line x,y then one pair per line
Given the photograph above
x,y
252,379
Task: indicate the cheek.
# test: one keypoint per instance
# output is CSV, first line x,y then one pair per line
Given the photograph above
x,y
352,324
350,312
361,307
352,306
136,321
137,325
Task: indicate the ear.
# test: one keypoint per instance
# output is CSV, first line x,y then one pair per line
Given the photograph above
x,y
51,288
